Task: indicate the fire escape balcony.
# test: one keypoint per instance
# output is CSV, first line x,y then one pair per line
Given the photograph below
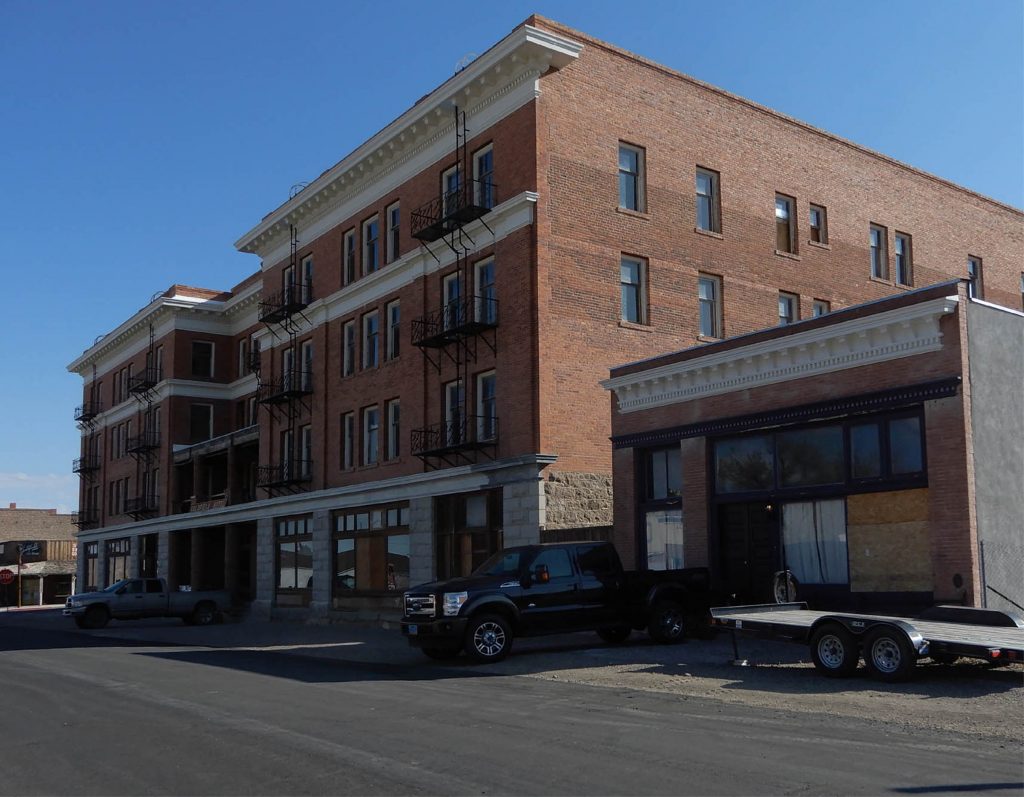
x,y
147,441
438,217
140,506
86,412
294,298
87,518
472,433
455,321
146,381
287,474
295,384
86,464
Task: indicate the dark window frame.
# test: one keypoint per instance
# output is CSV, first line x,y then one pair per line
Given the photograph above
x,y
368,534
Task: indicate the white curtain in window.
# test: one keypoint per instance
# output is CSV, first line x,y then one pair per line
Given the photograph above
x,y
814,541
665,539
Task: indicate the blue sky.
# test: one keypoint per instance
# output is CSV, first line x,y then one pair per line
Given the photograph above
x,y
141,139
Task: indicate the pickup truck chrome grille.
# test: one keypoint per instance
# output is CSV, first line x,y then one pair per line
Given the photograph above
x,y
420,606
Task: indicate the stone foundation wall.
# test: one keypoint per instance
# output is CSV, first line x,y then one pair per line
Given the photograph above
x,y
577,500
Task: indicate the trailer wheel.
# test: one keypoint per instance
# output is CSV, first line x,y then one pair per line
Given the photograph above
x,y
888,656
834,651
667,623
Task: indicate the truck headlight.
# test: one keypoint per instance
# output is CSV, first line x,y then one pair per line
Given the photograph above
x,y
453,602
73,604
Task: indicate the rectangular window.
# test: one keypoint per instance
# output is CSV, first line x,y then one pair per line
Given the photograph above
x,y
904,260
243,358
288,286
975,286
200,422
202,359
814,541
305,379
394,429
287,453
348,440
394,230
371,550
371,245
451,288
306,289
371,435
664,527
709,299
294,561
819,224
708,207
664,474
454,413
879,254
865,451
487,406
348,366
631,284
789,308
371,332
486,296
306,451
118,556
483,177
810,456
451,181
821,307
288,371
785,224
348,256
394,317
631,177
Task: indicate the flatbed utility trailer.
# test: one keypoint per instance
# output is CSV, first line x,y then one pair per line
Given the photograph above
x,y
890,645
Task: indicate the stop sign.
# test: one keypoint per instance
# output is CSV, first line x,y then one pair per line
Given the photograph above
x,y
6,577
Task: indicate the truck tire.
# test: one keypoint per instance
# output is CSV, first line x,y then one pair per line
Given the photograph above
x,y
440,654
80,622
97,617
888,656
488,638
205,613
615,634
834,651
667,622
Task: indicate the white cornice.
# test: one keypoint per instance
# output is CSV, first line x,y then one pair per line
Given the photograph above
x,y
491,87
869,339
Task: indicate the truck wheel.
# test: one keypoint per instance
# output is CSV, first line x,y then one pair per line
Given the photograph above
x,y
96,617
615,634
888,656
667,623
441,654
488,638
204,614
834,651
80,622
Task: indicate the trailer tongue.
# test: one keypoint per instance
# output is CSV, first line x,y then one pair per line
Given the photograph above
x,y
890,645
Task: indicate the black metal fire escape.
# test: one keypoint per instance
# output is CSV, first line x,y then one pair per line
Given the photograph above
x,y
88,465
465,320
145,445
287,394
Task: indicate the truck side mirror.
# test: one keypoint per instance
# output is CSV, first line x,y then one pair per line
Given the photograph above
x,y
541,574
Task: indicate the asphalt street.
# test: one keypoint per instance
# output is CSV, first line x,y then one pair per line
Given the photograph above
x,y
93,715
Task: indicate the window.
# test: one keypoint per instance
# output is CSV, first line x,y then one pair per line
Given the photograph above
x,y
789,308
371,435
631,177
371,550
556,560
904,260
451,288
454,412
393,217
348,365
467,531
306,451
709,299
288,285
348,257
483,177
307,279
92,553
487,406
708,210
451,181
819,225
394,429
631,283
348,439
306,376
200,422
118,556
664,473
879,255
294,561
810,456
371,245
975,286
243,358
814,541
287,453
393,312
371,331
820,307
202,359
288,373
745,464
486,297
785,224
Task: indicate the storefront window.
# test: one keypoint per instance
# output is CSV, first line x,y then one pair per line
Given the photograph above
x,y
92,552
118,555
814,541
294,561
371,550
865,451
467,531
664,473
810,456
745,464
905,445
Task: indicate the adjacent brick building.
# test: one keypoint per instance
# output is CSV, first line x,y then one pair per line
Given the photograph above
x,y
412,378
38,546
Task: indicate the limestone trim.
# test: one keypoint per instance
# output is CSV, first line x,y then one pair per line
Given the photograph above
x,y
891,335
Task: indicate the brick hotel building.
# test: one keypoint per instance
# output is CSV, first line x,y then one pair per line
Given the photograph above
x,y
411,379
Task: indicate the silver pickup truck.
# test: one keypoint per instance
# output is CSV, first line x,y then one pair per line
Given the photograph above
x,y
133,598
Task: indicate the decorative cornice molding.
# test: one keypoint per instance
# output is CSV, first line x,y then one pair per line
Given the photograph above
x,y
875,338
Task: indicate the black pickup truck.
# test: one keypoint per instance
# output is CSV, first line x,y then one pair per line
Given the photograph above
x,y
549,589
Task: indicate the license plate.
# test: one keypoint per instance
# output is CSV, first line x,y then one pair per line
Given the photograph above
x,y
413,630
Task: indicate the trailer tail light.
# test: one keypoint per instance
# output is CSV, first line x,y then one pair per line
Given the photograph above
x,y
994,653
1012,654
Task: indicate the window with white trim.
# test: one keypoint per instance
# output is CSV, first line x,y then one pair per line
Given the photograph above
x,y
348,344
371,334
789,308
709,299
904,260
394,316
394,416
371,245
348,256
486,406
393,215
371,435
708,208
483,177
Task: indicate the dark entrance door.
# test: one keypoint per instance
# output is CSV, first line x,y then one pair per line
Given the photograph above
x,y
748,550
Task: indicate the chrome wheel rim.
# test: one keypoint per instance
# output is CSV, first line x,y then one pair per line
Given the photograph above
x,y
489,639
672,624
831,651
886,655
